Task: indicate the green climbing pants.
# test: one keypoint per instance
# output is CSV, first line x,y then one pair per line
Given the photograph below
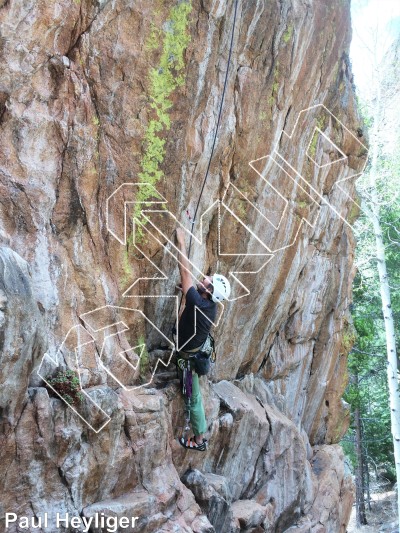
x,y
196,408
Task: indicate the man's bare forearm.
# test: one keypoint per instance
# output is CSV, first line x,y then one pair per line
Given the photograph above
x,y
184,265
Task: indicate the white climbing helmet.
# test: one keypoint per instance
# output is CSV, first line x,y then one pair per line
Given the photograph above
x,y
222,288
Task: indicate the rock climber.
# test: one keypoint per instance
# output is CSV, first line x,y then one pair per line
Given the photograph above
x,y
193,329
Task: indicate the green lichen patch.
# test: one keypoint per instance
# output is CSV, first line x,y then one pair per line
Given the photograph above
x,y
321,125
164,79
288,33
275,85
144,361
312,150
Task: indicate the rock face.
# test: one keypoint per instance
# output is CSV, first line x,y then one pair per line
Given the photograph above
x,y
96,97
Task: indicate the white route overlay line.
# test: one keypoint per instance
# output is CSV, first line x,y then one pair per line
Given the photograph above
x,y
131,188
344,156
323,200
166,277
273,252
82,390
121,188
356,175
200,241
251,203
163,277
133,387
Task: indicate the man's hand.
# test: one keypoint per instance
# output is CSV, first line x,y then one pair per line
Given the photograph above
x,y
180,236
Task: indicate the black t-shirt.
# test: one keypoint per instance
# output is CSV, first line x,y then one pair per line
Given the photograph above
x,y
187,321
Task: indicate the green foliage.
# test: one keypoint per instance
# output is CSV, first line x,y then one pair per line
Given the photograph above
x,y
125,261
164,80
348,447
348,338
302,204
378,187
66,384
321,125
365,113
367,366
240,209
263,115
312,150
275,85
144,362
367,363
371,396
154,38
354,211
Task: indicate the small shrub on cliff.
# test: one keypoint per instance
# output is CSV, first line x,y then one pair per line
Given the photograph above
x,y
66,383
349,337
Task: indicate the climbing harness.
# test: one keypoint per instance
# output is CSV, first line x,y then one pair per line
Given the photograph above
x,y
186,383
198,360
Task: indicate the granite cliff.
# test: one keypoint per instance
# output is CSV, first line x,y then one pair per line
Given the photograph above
x,y
97,97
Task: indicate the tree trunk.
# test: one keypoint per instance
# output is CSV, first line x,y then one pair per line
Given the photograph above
x,y
367,479
392,369
360,503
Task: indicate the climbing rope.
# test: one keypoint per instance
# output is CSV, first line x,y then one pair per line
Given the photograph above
x,y
218,122
214,141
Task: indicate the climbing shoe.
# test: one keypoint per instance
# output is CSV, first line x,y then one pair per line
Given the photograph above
x,y
191,444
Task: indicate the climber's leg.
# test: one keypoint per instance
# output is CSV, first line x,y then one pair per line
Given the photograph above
x,y
191,444
197,416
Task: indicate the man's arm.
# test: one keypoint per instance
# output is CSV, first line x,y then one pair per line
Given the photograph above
x,y
184,266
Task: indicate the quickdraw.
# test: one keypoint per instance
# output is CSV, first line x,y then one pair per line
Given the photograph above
x,y
186,377
187,382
